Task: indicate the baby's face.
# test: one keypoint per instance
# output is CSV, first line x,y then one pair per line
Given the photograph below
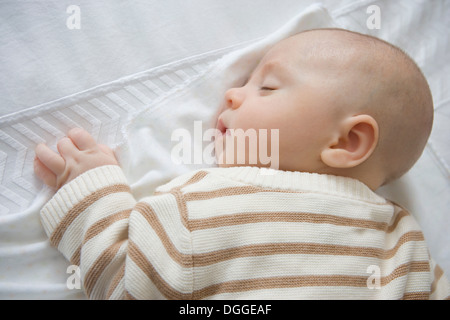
x,y
286,93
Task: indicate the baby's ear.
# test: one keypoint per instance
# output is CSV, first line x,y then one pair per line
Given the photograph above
x,y
353,144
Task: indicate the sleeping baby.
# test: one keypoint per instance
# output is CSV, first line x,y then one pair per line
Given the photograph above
x,y
352,113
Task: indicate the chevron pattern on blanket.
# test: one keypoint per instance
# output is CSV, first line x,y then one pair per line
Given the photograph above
x,y
104,111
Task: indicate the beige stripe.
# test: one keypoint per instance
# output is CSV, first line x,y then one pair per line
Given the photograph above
x,y
115,281
100,265
224,192
416,296
265,283
281,248
75,259
308,281
234,191
302,248
182,208
148,213
73,213
399,216
281,282
139,258
409,236
438,273
195,178
255,217
100,225
404,269
304,281
129,296
208,258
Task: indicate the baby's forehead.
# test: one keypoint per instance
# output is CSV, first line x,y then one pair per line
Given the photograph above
x,y
295,53
308,46
340,49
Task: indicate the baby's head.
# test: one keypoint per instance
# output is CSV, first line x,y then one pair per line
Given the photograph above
x,y
343,103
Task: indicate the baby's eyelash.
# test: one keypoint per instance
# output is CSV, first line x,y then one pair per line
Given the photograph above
x,y
266,89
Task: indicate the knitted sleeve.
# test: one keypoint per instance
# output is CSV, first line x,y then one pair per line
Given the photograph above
x,y
118,242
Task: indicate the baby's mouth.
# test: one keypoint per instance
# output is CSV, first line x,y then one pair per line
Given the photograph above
x,y
221,127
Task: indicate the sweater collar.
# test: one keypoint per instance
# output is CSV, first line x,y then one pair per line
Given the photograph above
x,y
302,182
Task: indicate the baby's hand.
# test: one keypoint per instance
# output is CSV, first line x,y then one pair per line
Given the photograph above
x,y
78,153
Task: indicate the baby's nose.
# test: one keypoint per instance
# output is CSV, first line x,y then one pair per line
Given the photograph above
x,y
234,98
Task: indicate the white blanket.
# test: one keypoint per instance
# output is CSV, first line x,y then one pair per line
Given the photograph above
x,y
138,114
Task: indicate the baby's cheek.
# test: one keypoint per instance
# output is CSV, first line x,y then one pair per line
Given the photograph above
x,y
255,121
247,119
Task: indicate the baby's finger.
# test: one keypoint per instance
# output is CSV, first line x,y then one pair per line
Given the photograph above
x,y
44,173
50,159
66,148
82,139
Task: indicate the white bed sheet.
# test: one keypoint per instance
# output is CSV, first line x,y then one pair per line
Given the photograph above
x,y
114,61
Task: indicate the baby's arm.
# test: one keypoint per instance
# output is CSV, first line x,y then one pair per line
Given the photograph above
x,y
88,218
78,153
119,243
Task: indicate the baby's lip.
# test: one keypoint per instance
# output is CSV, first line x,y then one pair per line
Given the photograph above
x,y
221,126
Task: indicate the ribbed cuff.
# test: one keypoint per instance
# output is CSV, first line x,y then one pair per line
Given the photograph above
x,y
75,191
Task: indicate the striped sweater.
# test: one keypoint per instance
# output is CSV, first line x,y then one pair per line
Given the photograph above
x,y
240,233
